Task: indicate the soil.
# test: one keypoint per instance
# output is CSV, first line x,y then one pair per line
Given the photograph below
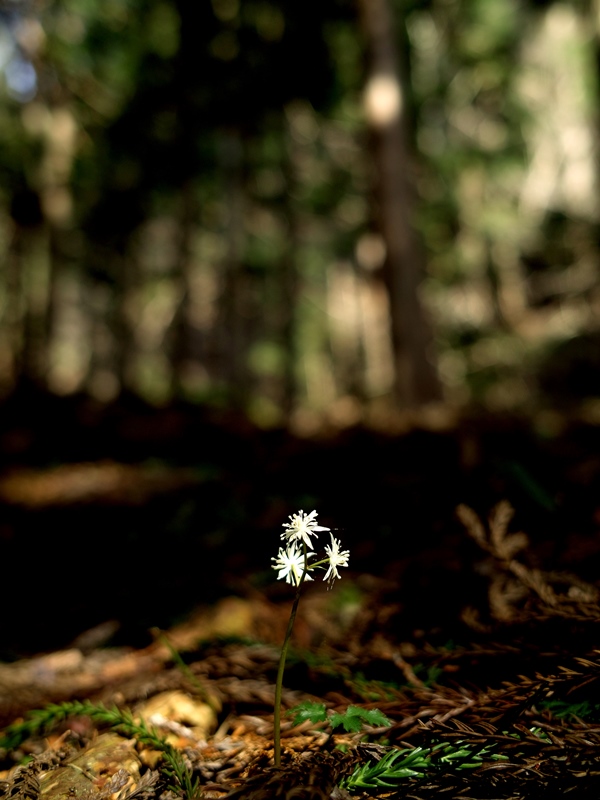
x,y
468,614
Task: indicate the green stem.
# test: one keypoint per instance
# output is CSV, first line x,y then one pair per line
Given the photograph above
x,y
281,667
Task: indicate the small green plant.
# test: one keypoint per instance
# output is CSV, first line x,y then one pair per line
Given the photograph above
x,y
561,709
419,762
294,565
416,762
352,720
42,720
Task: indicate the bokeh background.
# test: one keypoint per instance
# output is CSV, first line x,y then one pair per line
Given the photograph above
x,y
300,207
260,255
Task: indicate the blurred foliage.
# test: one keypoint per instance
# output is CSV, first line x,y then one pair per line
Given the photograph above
x,y
187,200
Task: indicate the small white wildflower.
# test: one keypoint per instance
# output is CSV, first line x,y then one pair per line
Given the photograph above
x,y
301,528
336,557
290,564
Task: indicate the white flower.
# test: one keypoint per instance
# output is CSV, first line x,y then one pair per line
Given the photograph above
x,y
301,528
337,558
290,564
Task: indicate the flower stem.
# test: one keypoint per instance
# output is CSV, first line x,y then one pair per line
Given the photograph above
x,y
281,667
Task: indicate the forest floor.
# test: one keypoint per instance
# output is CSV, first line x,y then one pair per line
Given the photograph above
x,y
477,641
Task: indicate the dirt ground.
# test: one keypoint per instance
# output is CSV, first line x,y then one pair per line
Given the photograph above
x,y
468,613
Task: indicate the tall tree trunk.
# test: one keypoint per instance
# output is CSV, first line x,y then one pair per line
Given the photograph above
x,y
232,329
181,345
289,279
11,320
25,283
123,341
416,379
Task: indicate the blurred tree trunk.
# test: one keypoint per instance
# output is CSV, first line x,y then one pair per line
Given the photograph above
x,y
416,379
36,273
59,131
26,284
123,345
12,317
231,328
180,344
289,275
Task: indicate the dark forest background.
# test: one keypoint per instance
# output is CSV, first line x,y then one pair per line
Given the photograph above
x,y
300,209
258,256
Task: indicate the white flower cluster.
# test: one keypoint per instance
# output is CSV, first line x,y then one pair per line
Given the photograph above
x,y
293,562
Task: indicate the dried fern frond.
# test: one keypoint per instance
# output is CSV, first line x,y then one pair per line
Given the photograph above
x,y
496,540
500,518
556,594
473,525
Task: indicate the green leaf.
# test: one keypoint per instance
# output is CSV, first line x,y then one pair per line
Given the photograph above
x,y
313,712
355,717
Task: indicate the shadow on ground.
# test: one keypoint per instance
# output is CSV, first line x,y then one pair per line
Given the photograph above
x,y
136,514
